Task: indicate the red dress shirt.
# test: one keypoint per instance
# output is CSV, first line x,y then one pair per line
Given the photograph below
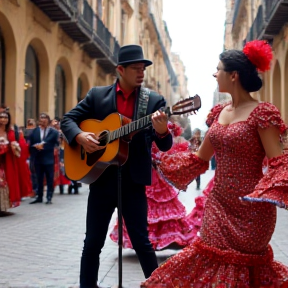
x,y
125,102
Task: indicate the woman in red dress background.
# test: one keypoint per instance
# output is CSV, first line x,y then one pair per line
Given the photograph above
x,y
15,171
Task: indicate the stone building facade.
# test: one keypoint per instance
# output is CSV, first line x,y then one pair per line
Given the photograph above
x,y
263,19
53,52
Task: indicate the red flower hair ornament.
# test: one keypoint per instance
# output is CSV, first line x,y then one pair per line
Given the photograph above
x,y
259,53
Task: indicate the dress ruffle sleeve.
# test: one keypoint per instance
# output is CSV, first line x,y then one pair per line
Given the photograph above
x,y
214,113
268,115
273,187
181,168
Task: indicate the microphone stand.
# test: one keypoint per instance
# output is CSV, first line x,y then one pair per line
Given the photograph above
x,y
120,228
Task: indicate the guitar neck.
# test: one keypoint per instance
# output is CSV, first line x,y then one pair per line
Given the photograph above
x,y
131,127
181,107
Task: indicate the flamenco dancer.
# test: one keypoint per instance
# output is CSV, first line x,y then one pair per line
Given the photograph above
x,y
168,225
240,212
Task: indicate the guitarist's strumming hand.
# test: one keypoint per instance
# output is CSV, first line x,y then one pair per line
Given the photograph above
x,y
159,122
89,141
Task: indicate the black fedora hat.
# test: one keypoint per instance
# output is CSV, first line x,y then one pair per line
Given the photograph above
x,y
130,54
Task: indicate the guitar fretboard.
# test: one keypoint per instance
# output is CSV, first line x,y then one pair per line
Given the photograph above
x,y
131,127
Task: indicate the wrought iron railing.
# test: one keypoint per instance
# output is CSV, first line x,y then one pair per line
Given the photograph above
x,y
93,24
58,10
88,14
69,3
269,7
84,19
276,16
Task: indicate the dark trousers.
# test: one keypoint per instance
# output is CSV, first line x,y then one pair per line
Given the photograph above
x,y
101,205
33,174
47,171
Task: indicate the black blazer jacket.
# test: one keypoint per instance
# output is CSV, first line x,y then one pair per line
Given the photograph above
x,y
98,104
45,156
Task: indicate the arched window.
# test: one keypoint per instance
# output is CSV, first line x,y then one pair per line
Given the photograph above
x,y
2,69
79,90
60,90
31,85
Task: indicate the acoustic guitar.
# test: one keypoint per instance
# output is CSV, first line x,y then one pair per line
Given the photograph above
x,y
115,132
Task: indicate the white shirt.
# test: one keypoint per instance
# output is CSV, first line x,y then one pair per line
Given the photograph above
x,y
42,133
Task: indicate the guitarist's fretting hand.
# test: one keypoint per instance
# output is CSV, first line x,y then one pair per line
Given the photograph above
x,y
89,141
159,122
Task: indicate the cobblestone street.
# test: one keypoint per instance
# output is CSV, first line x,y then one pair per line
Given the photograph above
x,y
41,244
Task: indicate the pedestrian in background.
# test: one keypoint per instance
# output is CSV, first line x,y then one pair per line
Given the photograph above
x,y
30,126
42,142
195,142
15,180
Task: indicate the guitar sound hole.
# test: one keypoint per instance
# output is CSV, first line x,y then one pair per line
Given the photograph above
x,y
104,138
92,158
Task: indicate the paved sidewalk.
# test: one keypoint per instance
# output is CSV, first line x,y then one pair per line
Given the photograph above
x,y
40,246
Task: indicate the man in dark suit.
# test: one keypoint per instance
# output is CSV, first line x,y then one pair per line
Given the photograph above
x,y
43,140
122,97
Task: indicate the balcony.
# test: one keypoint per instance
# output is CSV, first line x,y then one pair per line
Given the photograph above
x,y
276,15
78,20
68,14
103,46
172,75
80,26
57,10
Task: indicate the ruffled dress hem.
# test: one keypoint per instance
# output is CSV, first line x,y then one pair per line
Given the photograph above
x,y
200,265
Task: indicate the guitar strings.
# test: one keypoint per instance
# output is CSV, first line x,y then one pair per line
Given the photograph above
x,y
128,128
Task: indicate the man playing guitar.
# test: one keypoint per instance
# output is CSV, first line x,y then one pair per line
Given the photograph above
x,y
122,97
